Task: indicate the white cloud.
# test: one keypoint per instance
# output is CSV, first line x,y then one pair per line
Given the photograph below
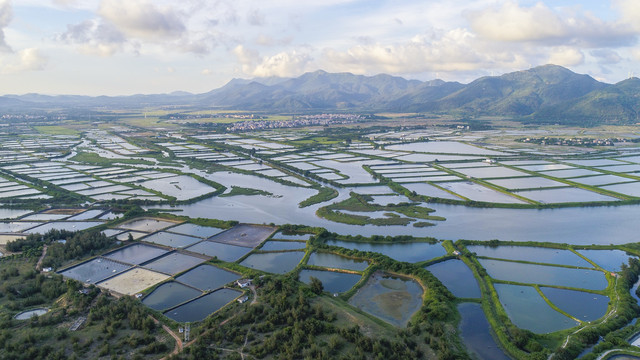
x,y
143,19
629,12
206,72
6,14
455,50
284,64
566,56
510,22
606,56
26,60
94,37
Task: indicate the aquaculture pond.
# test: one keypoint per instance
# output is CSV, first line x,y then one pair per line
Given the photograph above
x,y
94,270
457,277
202,307
195,230
136,253
581,305
223,252
244,235
207,277
172,240
610,260
133,281
430,191
404,251
542,274
303,237
169,295
12,213
335,261
173,263
146,225
389,298
476,192
274,245
64,225
476,333
552,196
279,263
528,310
333,282
531,254
26,315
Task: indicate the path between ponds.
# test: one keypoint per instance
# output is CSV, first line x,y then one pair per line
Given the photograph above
x,y
44,253
611,313
178,346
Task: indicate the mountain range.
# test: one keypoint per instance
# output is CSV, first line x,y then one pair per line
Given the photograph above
x,y
544,94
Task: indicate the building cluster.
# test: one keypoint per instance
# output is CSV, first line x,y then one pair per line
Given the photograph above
x,y
575,141
296,121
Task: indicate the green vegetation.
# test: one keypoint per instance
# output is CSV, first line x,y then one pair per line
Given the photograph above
x,y
359,203
237,190
56,130
94,158
324,194
109,327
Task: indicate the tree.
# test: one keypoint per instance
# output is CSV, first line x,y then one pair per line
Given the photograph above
x,y
316,285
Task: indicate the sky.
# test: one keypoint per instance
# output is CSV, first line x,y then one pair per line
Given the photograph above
x,y
122,47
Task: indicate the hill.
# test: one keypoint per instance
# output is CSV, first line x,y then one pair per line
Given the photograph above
x,y
544,94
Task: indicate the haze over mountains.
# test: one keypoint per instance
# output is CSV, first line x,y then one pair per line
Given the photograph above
x,y
548,93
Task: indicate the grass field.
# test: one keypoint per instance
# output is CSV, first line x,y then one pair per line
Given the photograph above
x,y
56,130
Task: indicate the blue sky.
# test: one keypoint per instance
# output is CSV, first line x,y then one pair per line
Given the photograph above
x,y
119,47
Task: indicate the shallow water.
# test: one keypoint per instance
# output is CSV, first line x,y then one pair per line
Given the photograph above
x,y
169,295
279,263
404,251
333,282
532,254
207,277
25,315
457,277
202,307
541,274
476,333
528,310
583,306
391,299
336,261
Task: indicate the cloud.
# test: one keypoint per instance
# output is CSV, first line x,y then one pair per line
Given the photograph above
x,y
206,72
26,60
629,12
606,56
455,50
284,64
256,18
511,22
6,15
566,56
94,37
143,19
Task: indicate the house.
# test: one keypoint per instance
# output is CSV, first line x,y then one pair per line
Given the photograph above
x,y
243,299
243,283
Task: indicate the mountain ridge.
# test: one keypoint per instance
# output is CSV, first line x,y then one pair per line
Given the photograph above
x,y
543,94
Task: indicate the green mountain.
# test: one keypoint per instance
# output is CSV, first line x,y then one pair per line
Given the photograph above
x,y
544,94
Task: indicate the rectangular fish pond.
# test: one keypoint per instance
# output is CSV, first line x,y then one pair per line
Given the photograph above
x,y
401,251
333,282
174,263
476,333
528,310
170,294
136,253
457,277
274,245
171,240
224,252
244,235
274,262
542,274
200,308
207,277
335,261
195,230
389,298
94,270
